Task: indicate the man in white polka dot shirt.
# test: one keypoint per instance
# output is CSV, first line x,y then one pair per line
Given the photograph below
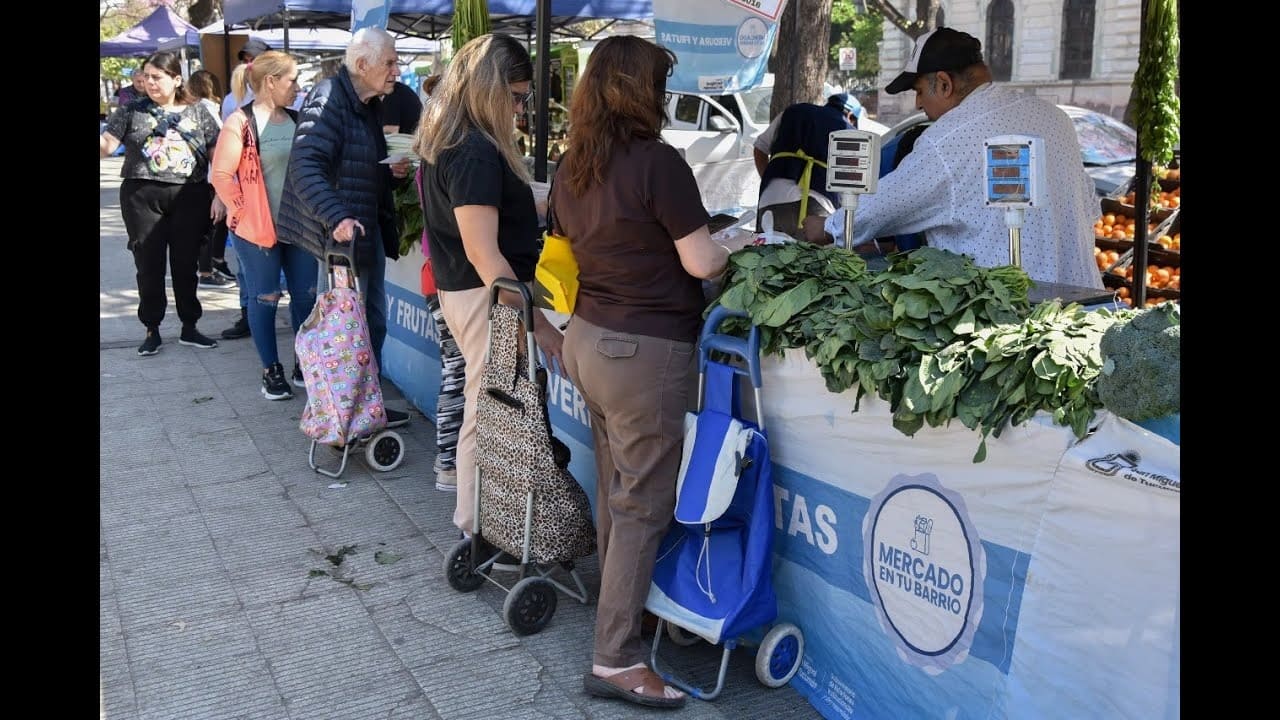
x,y
939,188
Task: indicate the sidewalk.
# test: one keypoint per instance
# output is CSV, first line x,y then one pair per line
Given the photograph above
x,y
213,535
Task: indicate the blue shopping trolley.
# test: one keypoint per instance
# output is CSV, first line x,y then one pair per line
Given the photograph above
x,y
713,577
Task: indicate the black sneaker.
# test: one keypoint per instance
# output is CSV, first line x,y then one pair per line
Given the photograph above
x,y
240,329
214,279
274,386
151,345
396,419
191,336
220,267
297,379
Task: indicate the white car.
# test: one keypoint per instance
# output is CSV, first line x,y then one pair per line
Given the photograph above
x,y
715,133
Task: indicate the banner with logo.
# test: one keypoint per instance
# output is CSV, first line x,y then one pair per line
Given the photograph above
x,y
369,13
722,46
1033,584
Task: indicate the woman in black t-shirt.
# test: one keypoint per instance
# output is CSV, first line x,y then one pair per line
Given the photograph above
x,y
164,198
479,213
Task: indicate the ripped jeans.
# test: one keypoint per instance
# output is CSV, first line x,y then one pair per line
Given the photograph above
x,y
261,267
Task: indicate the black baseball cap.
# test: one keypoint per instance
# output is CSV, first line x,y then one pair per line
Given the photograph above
x,y
939,49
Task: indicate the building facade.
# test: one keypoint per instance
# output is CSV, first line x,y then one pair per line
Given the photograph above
x,y
1070,52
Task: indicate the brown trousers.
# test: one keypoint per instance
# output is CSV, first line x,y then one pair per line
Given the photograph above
x,y
637,389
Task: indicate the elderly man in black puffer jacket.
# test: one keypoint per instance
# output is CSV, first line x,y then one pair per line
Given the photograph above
x,y
336,189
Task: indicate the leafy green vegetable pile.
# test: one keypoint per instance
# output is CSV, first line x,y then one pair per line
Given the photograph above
x,y
934,335
410,213
1155,102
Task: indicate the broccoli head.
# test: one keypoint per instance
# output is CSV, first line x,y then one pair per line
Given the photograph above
x,y
1142,364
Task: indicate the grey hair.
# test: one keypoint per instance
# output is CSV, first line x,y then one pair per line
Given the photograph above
x,y
368,43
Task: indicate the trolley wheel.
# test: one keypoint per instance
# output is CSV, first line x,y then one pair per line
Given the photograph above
x,y
385,451
458,568
679,636
530,605
779,655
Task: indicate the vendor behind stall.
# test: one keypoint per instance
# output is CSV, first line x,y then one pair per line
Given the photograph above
x,y
791,158
940,188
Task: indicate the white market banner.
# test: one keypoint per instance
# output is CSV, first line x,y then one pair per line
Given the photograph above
x,y
1041,583
722,46
369,13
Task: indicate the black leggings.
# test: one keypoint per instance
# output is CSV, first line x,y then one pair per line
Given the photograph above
x,y
165,219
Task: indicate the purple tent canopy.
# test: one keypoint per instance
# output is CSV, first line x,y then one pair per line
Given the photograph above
x,y
162,29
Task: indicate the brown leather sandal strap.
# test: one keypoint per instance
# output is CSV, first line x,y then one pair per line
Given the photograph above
x,y
647,680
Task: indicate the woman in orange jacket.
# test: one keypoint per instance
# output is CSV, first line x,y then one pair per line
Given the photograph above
x,y
249,166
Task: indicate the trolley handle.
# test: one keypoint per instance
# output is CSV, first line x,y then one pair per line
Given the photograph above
x,y
342,251
748,350
345,253
526,316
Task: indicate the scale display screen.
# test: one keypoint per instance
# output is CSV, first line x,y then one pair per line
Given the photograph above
x,y
853,162
1013,166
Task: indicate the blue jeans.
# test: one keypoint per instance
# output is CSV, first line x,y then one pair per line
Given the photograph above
x,y
240,282
261,268
373,274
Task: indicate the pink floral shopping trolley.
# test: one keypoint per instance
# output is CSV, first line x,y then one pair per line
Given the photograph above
x,y
344,396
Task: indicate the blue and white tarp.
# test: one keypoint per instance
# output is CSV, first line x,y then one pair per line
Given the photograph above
x,y
722,46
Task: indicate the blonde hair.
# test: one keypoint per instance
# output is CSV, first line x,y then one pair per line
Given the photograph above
x,y
475,94
255,72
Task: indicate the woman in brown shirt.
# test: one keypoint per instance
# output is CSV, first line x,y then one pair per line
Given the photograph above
x,y
639,232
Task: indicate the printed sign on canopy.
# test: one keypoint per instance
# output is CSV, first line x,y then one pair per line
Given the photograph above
x,y
766,8
722,46
369,13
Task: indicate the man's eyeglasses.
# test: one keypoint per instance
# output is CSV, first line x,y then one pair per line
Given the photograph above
x,y
521,98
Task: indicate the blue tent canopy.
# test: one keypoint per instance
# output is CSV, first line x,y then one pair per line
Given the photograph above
x,y
428,18
161,30
316,39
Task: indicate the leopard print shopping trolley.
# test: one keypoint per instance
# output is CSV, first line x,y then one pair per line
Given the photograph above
x,y
528,504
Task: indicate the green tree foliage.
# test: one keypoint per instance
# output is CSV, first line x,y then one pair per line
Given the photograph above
x,y
862,31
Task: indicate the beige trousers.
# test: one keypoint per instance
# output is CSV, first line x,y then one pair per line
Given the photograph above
x,y
466,312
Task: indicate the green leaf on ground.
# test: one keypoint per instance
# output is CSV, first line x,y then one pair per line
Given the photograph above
x,y
202,399
336,558
385,558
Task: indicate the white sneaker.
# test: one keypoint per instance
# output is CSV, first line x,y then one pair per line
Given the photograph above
x,y
447,480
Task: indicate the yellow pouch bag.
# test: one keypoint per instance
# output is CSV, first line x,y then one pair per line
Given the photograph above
x,y
555,279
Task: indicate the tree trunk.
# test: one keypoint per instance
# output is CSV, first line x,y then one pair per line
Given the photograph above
x,y
799,62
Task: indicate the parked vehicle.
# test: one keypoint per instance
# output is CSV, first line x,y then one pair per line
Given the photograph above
x,y
1108,147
